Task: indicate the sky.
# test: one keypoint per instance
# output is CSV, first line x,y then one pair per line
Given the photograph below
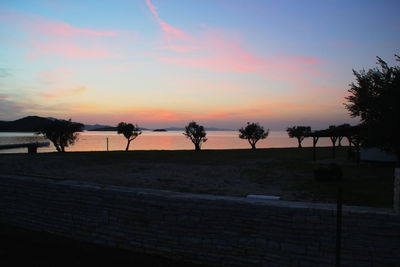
x,y
161,63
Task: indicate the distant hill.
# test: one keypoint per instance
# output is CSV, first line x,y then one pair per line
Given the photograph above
x,y
206,128
112,128
217,129
26,124
96,127
105,128
174,129
35,123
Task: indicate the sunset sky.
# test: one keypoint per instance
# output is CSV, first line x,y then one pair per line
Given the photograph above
x,y
161,63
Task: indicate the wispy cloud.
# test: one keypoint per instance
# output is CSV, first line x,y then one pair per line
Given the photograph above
x,y
71,51
216,50
64,29
39,24
170,32
60,83
64,92
12,109
56,74
4,96
58,38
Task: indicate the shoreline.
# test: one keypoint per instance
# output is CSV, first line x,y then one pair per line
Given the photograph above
x,y
171,150
218,140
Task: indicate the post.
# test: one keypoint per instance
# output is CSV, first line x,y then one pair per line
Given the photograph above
x,y
396,197
107,143
333,139
315,140
357,145
339,223
349,152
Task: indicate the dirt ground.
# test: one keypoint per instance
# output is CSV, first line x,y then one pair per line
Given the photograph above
x,y
21,247
287,173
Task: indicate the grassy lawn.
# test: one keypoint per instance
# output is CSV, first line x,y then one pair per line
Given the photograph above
x,y
287,172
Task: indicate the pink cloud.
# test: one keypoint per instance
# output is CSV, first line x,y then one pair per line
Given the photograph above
x,y
64,29
72,51
182,48
217,115
56,74
170,33
4,96
38,24
152,8
225,56
304,60
152,114
195,85
215,50
62,92
47,36
214,63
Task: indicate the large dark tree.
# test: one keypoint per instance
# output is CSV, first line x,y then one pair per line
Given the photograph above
x,y
62,133
196,134
130,131
375,98
299,132
253,132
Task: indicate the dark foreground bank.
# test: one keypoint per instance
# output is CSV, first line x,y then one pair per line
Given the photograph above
x,y
19,247
284,172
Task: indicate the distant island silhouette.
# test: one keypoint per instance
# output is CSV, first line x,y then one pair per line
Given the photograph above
x,y
26,124
35,123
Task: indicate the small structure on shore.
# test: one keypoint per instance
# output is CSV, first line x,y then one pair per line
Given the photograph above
x,y
337,133
32,147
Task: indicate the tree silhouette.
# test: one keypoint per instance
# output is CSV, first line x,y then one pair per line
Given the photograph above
x,y
299,132
375,98
196,134
130,131
253,132
62,133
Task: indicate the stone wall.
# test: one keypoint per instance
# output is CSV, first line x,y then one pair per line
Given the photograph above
x,y
213,230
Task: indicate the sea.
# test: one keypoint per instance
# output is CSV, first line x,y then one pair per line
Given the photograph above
x,y
149,140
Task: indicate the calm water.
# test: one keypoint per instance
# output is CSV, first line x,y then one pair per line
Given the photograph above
x,y
148,140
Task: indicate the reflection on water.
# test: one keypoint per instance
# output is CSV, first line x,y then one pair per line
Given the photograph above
x,y
172,140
